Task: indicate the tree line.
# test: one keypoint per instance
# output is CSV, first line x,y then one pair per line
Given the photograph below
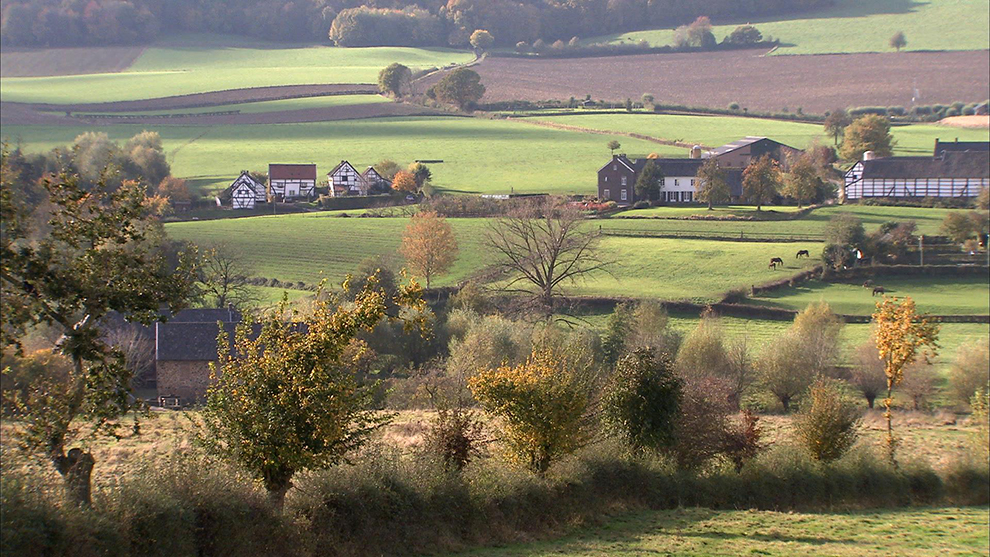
x,y
358,22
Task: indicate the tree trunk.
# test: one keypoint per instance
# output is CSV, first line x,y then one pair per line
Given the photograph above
x,y
276,495
710,207
786,401
869,401
758,207
76,469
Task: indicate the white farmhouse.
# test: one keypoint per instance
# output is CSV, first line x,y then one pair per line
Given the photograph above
x,y
292,181
950,173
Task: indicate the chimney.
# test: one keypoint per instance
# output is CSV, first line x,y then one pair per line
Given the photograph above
x,y
696,152
869,155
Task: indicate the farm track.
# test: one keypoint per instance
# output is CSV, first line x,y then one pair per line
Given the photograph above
x,y
816,83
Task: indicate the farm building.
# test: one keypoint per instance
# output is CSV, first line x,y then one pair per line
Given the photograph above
x,y
617,179
184,347
292,181
952,173
960,146
739,154
343,179
244,192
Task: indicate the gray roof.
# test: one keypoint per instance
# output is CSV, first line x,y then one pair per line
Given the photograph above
x,y
178,341
952,164
740,143
957,145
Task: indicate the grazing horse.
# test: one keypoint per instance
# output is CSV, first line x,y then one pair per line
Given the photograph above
x,y
868,284
777,261
772,265
803,252
879,290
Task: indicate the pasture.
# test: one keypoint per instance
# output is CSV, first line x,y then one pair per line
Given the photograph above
x,y
713,131
480,156
934,295
182,67
928,220
694,531
849,26
262,107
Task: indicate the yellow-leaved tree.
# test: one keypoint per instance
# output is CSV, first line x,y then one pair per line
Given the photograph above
x,y
429,246
900,334
543,405
282,399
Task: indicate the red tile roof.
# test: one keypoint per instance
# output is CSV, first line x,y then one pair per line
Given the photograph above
x,y
292,172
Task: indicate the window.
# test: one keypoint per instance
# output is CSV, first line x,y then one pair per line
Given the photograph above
x,y
615,167
676,182
692,182
623,181
662,182
606,179
689,196
608,195
622,195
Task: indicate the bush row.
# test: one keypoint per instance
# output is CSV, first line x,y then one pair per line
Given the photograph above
x,y
921,112
391,505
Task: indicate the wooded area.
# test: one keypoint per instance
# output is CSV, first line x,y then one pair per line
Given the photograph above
x,y
358,22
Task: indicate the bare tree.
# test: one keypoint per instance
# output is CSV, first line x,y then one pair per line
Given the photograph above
x,y
138,349
224,279
541,246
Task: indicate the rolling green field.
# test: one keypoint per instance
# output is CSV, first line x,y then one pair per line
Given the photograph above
x,y
305,248
694,531
712,131
929,222
677,211
935,295
480,156
856,26
217,64
302,103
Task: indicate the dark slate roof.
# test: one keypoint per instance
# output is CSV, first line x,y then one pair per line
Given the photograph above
x,y
178,341
960,146
952,164
203,315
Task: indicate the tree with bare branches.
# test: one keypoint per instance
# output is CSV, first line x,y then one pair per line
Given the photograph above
x,y
224,280
541,246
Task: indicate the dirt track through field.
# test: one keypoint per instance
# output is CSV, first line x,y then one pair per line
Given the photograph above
x,y
764,83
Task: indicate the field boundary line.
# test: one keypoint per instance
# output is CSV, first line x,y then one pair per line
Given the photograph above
x,y
692,235
568,127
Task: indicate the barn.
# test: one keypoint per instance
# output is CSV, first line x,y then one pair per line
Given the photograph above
x,y
289,182
951,173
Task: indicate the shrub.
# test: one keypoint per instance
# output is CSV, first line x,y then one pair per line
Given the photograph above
x,y
970,370
642,400
867,375
828,426
733,106
703,424
455,436
642,204
980,403
742,442
544,407
919,384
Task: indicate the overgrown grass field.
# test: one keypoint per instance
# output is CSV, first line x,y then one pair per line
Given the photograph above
x,y
712,131
693,531
853,26
197,64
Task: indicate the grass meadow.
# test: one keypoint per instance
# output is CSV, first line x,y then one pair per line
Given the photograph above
x,y
712,131
480,156
694,531
849,26
928,220
935,295
261,107
201,64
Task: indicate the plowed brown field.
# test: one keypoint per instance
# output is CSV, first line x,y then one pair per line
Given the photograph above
x,y
37,62
764,83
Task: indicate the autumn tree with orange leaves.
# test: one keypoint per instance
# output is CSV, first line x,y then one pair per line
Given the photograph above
x,y
404,181
900,333
429,246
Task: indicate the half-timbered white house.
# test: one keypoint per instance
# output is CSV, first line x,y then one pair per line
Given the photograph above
x,y
292,181
371,181
344,179
950,174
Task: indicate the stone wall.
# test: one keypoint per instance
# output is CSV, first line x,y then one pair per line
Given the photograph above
x,y
187,380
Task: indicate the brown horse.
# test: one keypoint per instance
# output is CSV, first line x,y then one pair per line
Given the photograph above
x,y
772,265
777,261
879,290
803,252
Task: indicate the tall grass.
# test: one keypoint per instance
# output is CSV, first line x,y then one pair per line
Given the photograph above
x,y
388,504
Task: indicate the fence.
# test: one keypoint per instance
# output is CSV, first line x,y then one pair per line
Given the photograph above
x,y
719,235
